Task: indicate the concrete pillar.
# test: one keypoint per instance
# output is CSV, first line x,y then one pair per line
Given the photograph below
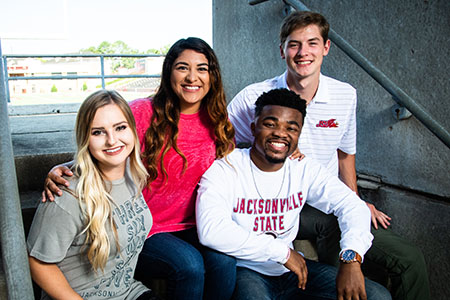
x,y
12,237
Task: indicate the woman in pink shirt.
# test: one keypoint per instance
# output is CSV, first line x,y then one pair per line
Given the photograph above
x,y
182,129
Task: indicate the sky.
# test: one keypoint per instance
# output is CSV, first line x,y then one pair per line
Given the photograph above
x,y
66,26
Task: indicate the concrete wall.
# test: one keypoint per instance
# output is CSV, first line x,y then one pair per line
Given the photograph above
x,y
43,129
420,220
409,42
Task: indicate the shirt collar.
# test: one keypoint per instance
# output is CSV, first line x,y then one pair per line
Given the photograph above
x,y
322,95
282,81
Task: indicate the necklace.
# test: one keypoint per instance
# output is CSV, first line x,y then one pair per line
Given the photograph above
x,y
256,186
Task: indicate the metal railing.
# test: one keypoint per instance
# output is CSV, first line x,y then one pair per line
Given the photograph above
x,y
102,75
397,93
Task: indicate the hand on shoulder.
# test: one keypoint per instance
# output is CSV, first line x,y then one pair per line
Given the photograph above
x,y
55,178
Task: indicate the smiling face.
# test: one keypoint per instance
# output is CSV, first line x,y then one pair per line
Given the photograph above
x,y
111,141
304,50
190,80
276,133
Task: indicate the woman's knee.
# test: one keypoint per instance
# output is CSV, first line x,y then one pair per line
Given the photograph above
x,y
176,257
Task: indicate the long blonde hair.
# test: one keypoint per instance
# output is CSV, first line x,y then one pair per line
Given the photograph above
x,y
91,191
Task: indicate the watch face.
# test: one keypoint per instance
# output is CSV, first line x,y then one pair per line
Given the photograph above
x,y
348,255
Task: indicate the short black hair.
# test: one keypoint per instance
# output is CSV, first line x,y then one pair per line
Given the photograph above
x,y
281,97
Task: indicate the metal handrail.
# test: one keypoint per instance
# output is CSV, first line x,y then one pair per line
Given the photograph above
x,y
81,55
82,77
397,93
102,75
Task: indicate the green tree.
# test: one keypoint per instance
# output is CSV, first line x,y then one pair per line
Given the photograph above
x,y
84,86
162,50
118,47
54,89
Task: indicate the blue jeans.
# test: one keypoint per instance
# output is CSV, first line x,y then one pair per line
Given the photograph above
x,y
192,270
320,285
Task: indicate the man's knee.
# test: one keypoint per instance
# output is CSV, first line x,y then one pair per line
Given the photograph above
x,y
314,223
327,223
400,254
250,285
376,291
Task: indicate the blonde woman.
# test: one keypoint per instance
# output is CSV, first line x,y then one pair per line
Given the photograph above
x,y
85,244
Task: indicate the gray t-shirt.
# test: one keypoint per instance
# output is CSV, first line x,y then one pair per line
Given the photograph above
x,y
55,238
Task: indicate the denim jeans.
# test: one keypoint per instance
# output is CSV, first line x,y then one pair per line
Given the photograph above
x,y
192,270
319,286
149,295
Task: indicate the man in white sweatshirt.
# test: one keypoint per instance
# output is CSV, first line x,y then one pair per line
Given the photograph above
x,y
249,203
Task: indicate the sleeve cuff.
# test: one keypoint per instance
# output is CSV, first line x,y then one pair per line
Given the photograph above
x,y
286,258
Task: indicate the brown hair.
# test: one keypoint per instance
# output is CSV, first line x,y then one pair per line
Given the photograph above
x,y
301,19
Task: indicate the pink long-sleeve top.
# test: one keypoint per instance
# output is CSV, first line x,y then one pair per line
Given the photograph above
x,y
172,200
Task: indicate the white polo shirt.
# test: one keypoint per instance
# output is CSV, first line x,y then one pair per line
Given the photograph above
x,y
330,122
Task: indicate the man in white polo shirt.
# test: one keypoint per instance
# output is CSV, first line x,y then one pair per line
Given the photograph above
x,y
329,136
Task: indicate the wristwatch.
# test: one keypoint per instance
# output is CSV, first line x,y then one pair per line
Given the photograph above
x,y
349,256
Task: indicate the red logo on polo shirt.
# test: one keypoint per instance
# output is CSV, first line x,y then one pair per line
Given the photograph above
x,y
331,123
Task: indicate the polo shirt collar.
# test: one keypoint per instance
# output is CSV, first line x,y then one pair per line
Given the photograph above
x,y
322,95
282,81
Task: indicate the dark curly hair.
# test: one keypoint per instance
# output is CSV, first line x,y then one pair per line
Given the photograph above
x,y
281,97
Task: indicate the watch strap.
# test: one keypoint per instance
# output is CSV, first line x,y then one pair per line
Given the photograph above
x,y
356,258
